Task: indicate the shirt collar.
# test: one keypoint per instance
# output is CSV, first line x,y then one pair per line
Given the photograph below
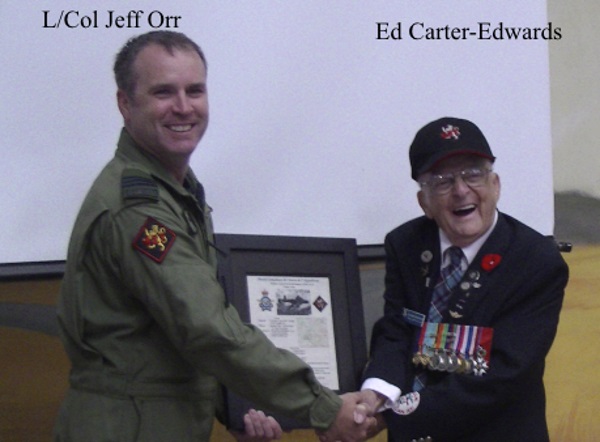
x,y
472,249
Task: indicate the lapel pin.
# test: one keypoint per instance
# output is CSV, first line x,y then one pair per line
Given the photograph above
x,y
426,256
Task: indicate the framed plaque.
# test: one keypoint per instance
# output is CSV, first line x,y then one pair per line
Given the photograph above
x,y
304,294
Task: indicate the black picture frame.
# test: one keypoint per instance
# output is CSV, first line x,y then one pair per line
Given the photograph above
x,y
334,258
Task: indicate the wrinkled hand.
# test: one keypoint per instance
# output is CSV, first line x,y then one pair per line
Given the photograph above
x,y
258,427
371,402
355,421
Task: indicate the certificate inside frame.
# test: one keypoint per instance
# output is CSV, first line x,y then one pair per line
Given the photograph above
x,y
329,267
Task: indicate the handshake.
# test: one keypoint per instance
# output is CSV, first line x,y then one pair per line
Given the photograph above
x,y
357,420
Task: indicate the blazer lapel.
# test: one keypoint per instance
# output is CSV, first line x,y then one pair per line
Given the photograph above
x,y
429,267
478,280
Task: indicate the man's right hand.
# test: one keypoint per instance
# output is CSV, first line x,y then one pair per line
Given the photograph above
x,y
355,421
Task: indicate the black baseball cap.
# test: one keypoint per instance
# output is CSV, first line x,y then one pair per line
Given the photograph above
x,y
443,138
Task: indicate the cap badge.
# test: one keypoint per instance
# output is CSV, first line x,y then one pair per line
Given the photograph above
x,y
450,131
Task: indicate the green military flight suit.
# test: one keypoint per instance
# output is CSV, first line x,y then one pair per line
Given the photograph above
x,y
146,325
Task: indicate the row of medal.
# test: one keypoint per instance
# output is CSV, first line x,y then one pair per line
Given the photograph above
x,y
454,348
446,360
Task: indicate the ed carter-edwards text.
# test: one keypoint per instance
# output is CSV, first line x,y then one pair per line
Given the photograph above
x,y
482,31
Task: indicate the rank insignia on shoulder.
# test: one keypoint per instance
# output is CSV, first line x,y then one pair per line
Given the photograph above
x,y
154,240
136,184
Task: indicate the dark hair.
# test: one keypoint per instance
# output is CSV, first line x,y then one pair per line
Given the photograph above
x,y
123,68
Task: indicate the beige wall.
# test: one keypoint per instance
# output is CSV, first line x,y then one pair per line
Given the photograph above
x,y
575,95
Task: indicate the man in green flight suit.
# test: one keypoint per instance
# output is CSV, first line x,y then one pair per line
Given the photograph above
x,y
142,316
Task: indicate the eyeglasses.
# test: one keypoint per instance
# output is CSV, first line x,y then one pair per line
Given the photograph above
x,y
472,177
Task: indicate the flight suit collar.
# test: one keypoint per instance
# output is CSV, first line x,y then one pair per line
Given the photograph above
x,y
128,148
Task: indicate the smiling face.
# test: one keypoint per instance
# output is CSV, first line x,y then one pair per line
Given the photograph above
x,y
464,213
167,113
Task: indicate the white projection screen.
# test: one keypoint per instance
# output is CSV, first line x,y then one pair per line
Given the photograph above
x,y
313,107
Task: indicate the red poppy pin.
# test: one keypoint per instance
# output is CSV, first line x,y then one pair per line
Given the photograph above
x,y
490,261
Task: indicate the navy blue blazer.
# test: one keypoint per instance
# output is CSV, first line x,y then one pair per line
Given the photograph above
x,y
520,299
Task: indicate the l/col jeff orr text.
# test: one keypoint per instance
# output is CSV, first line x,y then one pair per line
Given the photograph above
x,y
73,19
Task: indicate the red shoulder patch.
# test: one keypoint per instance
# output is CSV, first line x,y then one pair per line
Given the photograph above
x,y
154,240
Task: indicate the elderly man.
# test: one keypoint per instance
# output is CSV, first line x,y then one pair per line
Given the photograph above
x,y
144,321
472,303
